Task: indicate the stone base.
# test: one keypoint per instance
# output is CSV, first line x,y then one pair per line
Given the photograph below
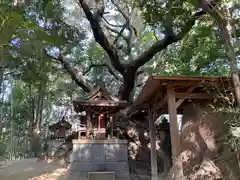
x,y
54,147
99,156
101,176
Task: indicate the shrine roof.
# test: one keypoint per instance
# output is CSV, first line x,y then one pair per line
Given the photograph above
x,y
100,92
99,97
155,87
58,125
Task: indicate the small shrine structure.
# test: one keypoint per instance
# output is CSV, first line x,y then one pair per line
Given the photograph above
x,y
59,135
60,129
98,153
99,108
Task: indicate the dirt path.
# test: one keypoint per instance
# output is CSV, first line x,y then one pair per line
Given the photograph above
x,y
30,169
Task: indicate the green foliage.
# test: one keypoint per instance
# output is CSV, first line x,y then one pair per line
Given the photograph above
x,y
199,53
231,115
157,13
38,83
35,77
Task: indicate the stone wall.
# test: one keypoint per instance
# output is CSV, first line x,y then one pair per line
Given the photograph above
x,y
99,156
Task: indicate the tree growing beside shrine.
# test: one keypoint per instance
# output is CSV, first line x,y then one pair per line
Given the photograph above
x,y
130,69
140,38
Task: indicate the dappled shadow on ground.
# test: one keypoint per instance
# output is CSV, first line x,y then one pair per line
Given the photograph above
x,y
30,169
57,174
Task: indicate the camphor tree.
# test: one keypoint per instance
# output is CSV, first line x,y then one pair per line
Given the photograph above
x,y
170,22
122,55
130,39
167,20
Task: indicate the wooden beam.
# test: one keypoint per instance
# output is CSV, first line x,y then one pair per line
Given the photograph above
x,y
172,110
192,82
146,97
89,121
155,97
111,126
152,134
159,105
193,96
189,90
181,83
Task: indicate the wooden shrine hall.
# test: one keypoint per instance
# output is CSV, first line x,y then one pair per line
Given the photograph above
x,y
99,108
167,95
60,129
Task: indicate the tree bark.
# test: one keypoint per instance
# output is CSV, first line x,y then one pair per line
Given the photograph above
x,y
203,155
39,109
33,129
79,80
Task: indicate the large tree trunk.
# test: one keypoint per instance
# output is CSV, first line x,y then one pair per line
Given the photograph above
x,y
33,129
203,155
39,107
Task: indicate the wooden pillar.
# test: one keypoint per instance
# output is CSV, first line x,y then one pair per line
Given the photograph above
x,y
166,158
111,126
117,126
172,110
152,134
118,130
79,131
89,123
99,121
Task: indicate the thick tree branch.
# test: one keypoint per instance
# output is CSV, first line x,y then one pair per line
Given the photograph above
x,y
79,81
168,24
162,44
75,77
142,80
129,70
127,26
110,70
119,9
188,25
119,34
101,38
